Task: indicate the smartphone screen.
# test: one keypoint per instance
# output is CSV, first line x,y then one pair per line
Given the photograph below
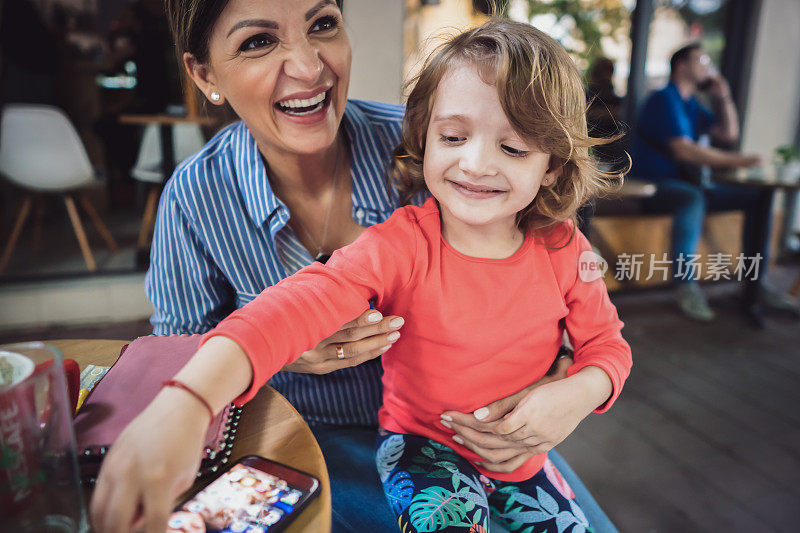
x,y
255,495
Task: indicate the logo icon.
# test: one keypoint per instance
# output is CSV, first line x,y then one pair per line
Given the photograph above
x,y
591,266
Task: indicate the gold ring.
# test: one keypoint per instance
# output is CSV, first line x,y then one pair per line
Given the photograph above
x,y
339,351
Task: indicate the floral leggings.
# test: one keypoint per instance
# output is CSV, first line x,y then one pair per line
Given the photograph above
x,y
431,488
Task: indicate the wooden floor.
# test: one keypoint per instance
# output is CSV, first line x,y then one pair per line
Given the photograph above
x,y
706,434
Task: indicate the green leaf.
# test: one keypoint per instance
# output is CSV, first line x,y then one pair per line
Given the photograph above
x,y
526,499
440,473
436,508
428,451
478,499
439,446
472,482
448,465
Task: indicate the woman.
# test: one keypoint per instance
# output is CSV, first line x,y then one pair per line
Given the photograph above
x,y
300,176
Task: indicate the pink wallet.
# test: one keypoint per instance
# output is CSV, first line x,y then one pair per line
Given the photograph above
x,y
128,387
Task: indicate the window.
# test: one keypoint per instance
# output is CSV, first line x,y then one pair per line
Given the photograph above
x,y
588,29
680,22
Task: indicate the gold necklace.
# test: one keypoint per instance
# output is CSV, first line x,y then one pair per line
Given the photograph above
x,y
321,256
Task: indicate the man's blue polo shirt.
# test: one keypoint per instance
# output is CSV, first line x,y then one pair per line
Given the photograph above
x,y
664,116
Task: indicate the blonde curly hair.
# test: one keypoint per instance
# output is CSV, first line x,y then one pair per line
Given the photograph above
x,y
541,93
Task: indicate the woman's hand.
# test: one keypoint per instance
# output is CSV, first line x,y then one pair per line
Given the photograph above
x,y
152,462
548,414
362,339
544,417
478,430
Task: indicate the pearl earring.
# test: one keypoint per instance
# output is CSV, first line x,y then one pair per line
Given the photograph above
x,y
215,96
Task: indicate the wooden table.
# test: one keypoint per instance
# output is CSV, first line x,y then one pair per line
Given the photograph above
x,y
164,119
635,188
760,178
269,427
753,177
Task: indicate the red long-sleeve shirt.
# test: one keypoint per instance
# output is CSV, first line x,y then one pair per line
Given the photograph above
x,y
476,330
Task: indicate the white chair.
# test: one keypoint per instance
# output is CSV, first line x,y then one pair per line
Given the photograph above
x,y
187,139
40,152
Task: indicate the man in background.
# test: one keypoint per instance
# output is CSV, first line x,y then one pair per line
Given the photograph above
x,y
671,148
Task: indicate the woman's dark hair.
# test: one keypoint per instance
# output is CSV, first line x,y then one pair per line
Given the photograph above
x,y
191,22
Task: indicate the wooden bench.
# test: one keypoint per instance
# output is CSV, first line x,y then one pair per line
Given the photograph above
x,y
622,226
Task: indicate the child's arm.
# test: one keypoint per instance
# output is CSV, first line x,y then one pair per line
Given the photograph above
x,y
478,429
544,418
155,458
549,413
293,316
593,326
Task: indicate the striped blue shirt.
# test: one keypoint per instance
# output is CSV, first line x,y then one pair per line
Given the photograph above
x,y
222,236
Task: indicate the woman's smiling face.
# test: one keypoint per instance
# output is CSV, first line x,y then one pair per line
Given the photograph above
x,y
284,67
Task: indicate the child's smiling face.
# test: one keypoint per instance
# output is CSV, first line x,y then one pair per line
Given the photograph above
x,y
479,169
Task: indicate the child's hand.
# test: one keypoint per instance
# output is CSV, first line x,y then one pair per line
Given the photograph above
x,y
148,467
541,420
549,413
480,431
362,339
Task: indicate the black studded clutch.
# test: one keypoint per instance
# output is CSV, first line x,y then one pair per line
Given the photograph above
x,y
128,387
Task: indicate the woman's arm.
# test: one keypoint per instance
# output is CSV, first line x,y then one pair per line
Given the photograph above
x,y
478,429
546,416
190,294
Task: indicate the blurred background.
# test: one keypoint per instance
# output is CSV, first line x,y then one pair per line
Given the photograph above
x,y
706,437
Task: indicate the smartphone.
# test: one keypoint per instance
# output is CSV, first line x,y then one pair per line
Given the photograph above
x,y
705,85
254,495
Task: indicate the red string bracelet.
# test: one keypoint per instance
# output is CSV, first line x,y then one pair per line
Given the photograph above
x,y
181,385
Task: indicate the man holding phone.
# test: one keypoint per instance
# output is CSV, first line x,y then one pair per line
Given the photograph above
x,y
671,148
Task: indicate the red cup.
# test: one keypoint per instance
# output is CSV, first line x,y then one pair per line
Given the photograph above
x,y
36,439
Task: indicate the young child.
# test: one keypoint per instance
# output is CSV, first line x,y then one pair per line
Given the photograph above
x,y
486,274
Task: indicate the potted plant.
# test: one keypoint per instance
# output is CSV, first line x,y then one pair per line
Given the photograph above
x,y
787,163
